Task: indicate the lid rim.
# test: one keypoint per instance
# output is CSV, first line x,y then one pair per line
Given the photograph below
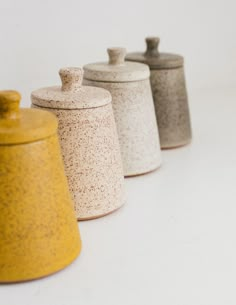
x,y
53,98
31,126
28,141
104,72
161,61
114,82
166,68
53,108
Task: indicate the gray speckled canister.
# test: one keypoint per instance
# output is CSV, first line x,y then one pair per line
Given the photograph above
x,y
133,108
89,143
169,93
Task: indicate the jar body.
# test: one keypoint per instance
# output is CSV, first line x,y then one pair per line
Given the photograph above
x,y
38,230
136,124
171,105
92,159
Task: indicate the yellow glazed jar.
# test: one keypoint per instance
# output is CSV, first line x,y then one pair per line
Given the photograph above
x,y
38,229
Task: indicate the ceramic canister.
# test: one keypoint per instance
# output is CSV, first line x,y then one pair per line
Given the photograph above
x,y
38,231
133,109
89,143
169,93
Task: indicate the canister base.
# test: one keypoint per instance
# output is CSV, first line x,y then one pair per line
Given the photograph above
x,y
43,276
144,173
99,216
177,145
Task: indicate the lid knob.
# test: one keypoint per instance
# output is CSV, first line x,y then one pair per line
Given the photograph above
x,y
116,56
71,78
152,46
9,104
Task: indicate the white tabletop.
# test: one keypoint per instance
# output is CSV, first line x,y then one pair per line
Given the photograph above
x,y
174,243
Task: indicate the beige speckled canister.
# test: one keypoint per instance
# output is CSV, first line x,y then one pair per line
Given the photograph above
x,y
133,109
169,93
89,143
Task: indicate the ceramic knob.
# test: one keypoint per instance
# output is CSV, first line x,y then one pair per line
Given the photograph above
x,y
152,46
9,104
71,78
116,56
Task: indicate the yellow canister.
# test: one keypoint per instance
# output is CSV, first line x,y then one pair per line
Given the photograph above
x,y
38,230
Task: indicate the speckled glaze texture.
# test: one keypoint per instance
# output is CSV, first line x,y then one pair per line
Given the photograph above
x,y
133,109
90,148
136,125
92,160
171,105
169,93
38,230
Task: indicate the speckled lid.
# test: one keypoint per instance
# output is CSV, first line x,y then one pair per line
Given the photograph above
x,y
71,95
19,126
116,70
154,58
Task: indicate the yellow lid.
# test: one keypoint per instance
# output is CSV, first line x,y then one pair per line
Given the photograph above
x,y
23,125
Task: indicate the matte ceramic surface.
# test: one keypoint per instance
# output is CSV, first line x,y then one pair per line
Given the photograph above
x,y
171,104
23,125
133,109
38,231
153,58
116,70
89,144
169,93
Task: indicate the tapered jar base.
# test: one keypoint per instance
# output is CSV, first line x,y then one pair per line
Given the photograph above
x,y
142,173
65,265
39,235
99,216
179,145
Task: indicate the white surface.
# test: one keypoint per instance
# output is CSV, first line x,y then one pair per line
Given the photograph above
x,y
39,37
174,243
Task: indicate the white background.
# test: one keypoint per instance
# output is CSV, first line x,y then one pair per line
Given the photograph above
x,y
174,243
37,38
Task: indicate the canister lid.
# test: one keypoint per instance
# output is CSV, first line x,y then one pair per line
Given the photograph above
x,y
23,125
71,95
154,58
116,69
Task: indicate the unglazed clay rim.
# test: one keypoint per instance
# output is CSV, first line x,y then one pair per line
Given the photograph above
x,y
102,215
144,173
85,98
183,144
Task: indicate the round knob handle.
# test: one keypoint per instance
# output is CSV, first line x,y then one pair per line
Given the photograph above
x,y
71,78
116,56
152,46
9,104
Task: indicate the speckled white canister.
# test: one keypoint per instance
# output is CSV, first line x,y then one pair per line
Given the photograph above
x,y
89,143
133,108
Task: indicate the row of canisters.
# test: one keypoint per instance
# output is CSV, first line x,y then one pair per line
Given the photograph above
x,y
70,152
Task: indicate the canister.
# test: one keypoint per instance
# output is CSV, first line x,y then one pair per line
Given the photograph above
x,y
133,109
38,230
169,93
89,143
